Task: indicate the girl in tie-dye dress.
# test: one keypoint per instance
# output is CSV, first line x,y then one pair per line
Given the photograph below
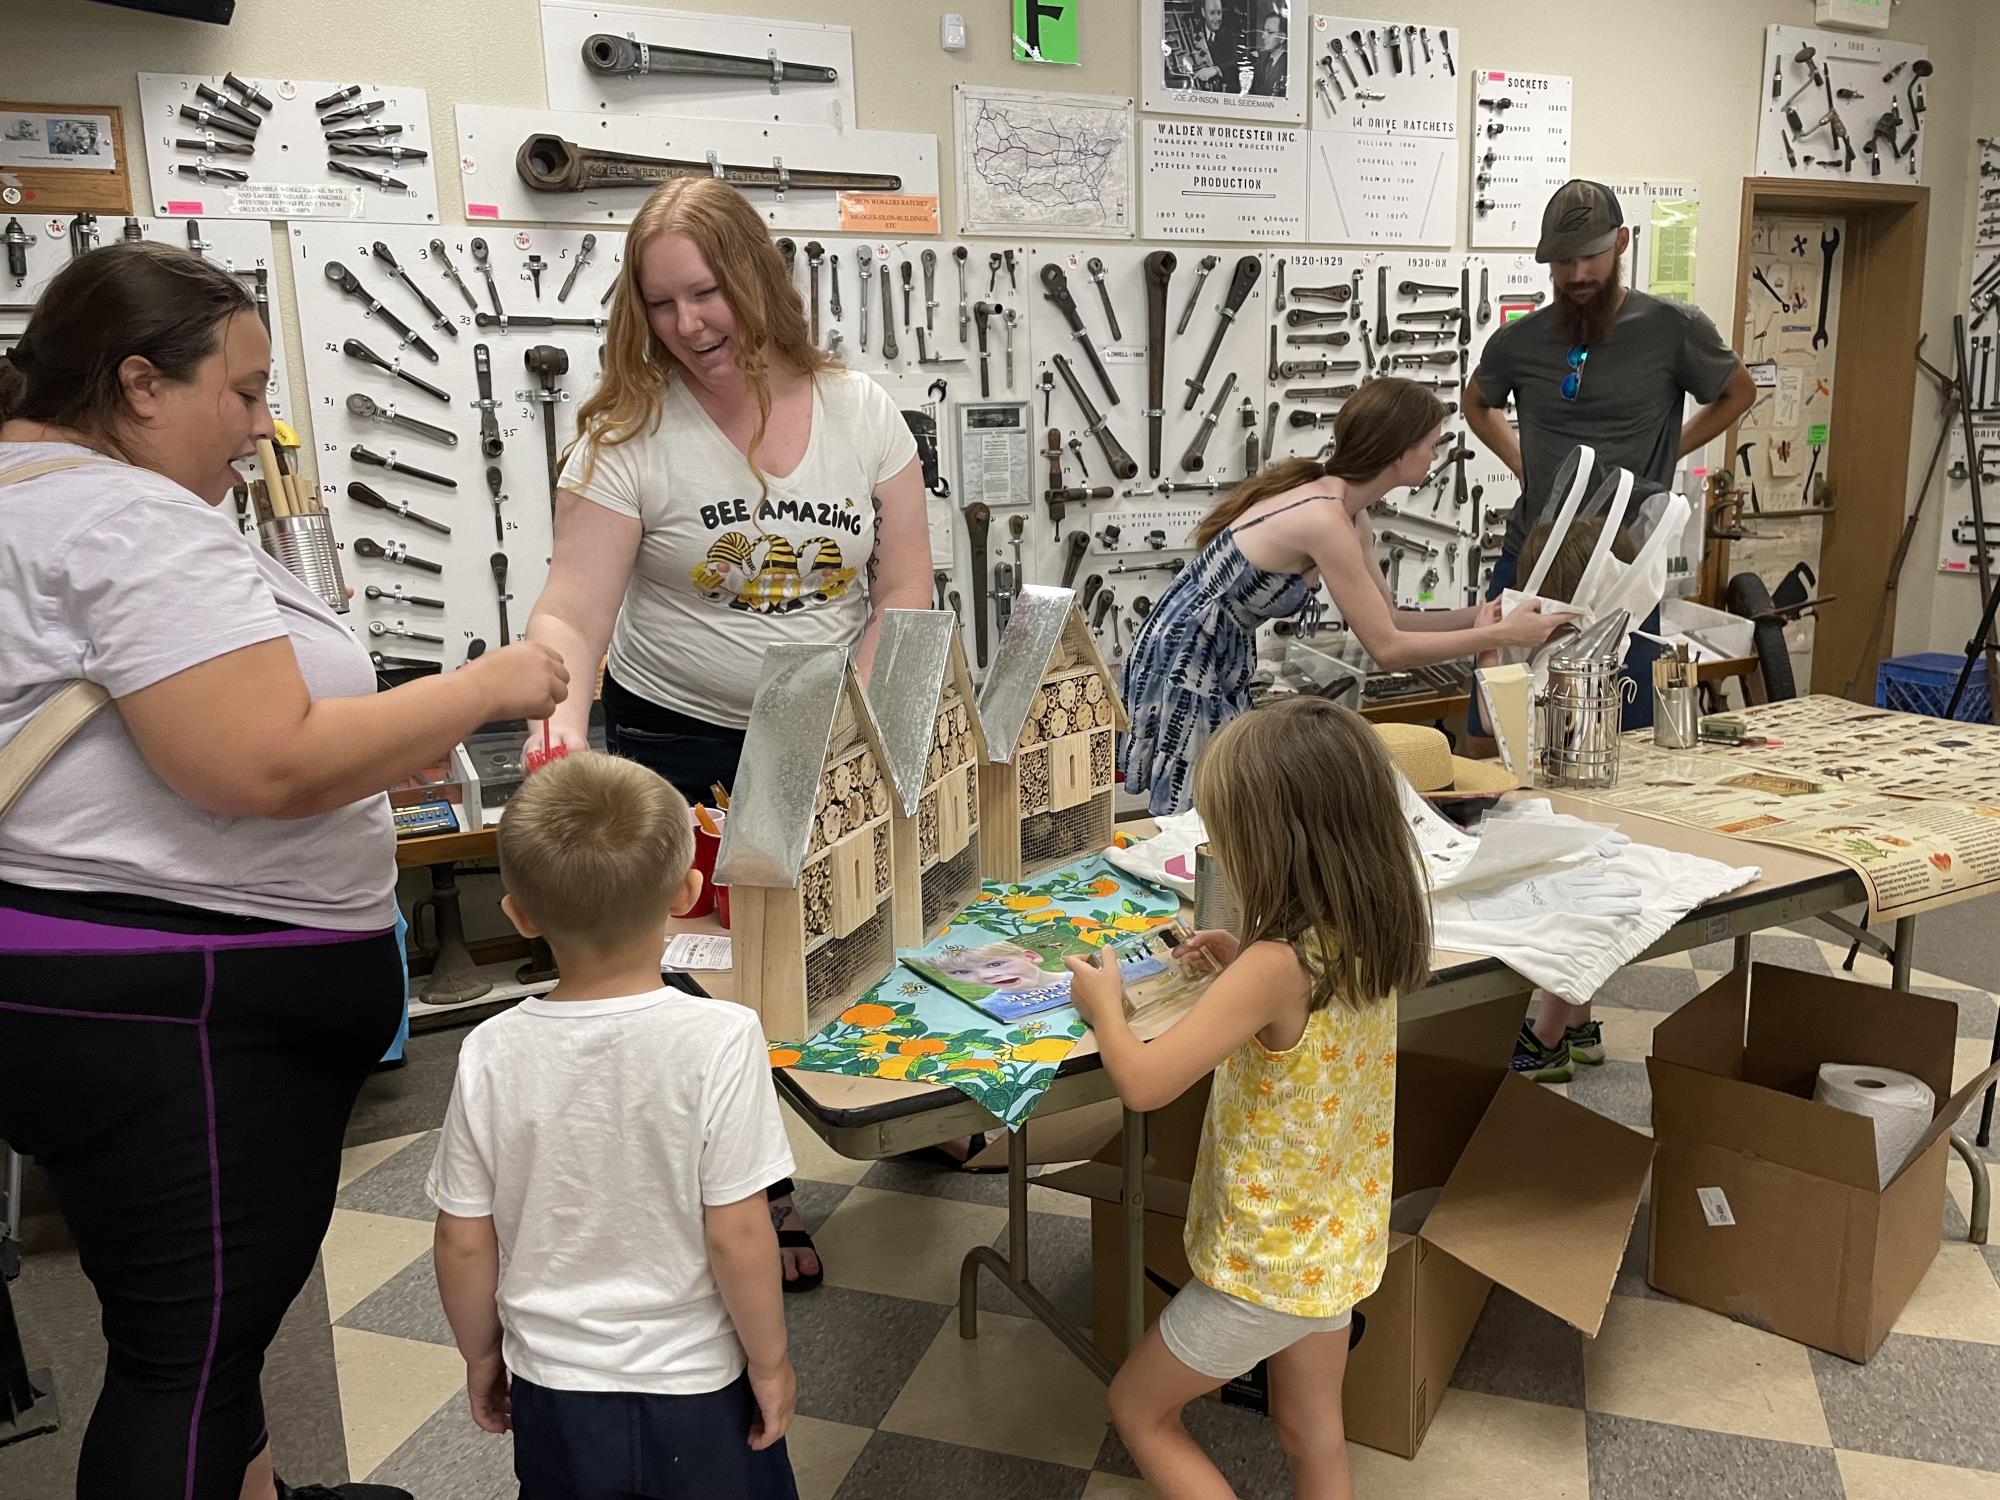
x,y
1265,549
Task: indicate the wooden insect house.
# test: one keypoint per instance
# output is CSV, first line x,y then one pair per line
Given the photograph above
x,y
925,713
806,850
1050,709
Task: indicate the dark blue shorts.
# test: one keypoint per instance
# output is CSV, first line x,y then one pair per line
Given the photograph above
x,y
623,1445
1639,658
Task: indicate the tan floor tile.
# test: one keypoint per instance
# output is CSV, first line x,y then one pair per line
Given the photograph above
x,y
813,1159
1014,1389
822,1453
1868,1476
358,1159
1974,1053
1043,1200
1628,1034
362,1251
1482,1446
1667,1362
388,1389
1957,1299
1117,1487
901,1244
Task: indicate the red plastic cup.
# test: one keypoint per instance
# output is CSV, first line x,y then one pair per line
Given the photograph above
x,y
706,847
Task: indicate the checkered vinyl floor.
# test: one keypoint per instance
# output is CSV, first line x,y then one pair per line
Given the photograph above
x,y
1668,1401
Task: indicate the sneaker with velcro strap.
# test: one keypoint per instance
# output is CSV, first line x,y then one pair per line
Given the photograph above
x,y
1586,1043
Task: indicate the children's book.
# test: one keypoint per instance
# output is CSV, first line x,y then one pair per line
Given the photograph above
x,y
1010,982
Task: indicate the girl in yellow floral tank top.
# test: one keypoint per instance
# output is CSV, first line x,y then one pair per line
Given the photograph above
x,y
1288,1217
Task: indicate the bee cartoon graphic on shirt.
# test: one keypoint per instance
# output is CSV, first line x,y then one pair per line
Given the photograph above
x,y
770,575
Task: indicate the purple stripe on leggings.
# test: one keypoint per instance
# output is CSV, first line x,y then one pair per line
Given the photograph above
x,y
214,1218
30,932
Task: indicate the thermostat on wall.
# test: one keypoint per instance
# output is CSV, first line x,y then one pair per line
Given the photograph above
x,y
1853,15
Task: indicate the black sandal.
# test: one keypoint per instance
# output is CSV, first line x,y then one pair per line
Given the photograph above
x,y
798,1239
937,1156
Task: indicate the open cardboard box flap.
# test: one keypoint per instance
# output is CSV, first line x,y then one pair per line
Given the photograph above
x,y
1707,1085
1947,1117
1559,1248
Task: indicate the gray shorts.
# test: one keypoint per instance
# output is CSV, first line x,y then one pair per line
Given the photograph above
x,y
1221,1336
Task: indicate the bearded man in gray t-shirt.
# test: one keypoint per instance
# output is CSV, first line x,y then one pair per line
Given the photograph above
x,y
1603,365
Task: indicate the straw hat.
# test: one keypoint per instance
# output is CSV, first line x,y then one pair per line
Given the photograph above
x,y
1424,757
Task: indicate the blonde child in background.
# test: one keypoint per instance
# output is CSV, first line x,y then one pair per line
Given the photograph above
x,y
1288,1213
602,1232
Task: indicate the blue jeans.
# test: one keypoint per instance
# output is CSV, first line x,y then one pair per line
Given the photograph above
x,y
1640,654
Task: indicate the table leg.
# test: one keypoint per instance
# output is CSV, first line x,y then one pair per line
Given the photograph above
x,y
1012,1269
1903,959
1134,1213
1981,1189
1743,951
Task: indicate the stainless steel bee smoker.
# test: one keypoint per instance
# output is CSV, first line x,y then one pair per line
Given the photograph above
x,y
1577,712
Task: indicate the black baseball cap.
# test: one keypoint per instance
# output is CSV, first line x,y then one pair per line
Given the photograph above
x,y
1582,219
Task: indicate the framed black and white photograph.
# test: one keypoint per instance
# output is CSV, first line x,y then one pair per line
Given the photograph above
x,y
1231,58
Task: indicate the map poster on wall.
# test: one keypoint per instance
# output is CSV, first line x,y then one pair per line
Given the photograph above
x,y
1041,163
1385,134
1241,59
1210,180
1520,154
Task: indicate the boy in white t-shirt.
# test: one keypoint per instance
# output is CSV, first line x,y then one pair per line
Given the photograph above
x,y
602,1233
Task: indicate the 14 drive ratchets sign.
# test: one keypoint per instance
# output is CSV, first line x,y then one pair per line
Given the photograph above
x,y
1240,59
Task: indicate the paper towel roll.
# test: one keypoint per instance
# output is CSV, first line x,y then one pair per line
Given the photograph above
x,y
1900,1106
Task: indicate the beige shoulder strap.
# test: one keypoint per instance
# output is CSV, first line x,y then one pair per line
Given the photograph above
x,y
22,757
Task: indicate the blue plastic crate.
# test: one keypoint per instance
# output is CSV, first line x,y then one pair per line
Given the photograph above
x,y
1921,683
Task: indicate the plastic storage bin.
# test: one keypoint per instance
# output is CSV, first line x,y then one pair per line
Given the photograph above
x,y
1921,683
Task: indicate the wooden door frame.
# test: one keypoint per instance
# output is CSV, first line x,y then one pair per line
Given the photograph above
x,y
1874,399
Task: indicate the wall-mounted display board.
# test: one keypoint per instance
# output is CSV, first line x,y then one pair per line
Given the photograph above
x,y
635,59
1385,133
242,246
57,158
310,150
591,169
1840,107
467,482
1520,154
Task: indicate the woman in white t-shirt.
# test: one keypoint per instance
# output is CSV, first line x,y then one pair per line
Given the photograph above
x,y
731,486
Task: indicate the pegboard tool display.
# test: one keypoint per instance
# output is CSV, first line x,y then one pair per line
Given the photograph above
x,y
446,370
1384,132
43,246
222,147
1520,154
571,167
635,59
1838,105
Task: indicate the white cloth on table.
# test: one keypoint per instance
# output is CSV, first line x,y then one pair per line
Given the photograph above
x,y
1166,858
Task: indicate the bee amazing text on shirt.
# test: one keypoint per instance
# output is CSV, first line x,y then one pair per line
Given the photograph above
x,y
769,573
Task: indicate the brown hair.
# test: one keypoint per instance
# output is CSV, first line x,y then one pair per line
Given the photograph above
x,y
155,302
770,317
593,848
1379,423
1301,806
1572,557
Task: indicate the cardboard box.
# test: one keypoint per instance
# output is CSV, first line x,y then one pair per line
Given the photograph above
x,y
1465,1125
1767,1206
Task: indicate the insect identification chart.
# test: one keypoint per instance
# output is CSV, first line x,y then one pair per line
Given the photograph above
x,y
1384,167
1520,154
